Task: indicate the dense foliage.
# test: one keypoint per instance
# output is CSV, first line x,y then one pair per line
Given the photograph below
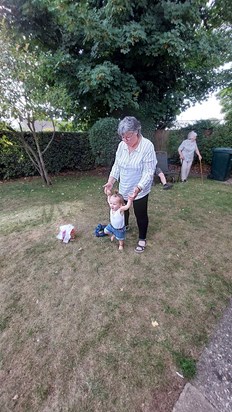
x,y
226,102
69,151
13,162
221,137
115,57
104,140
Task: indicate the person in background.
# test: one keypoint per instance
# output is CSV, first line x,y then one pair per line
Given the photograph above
x,y
134,168
116,229
186,151
158,172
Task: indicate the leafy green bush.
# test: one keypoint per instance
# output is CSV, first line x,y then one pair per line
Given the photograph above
x,y
13,161
174,140
68,151
104,140
220,137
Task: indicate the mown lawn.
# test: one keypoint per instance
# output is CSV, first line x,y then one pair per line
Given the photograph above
x,y
86,328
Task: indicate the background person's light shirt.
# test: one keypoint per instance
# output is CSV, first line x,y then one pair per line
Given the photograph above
x,y
188,148
135,169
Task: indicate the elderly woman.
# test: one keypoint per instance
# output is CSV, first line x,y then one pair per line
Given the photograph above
x,y
186,151
134,167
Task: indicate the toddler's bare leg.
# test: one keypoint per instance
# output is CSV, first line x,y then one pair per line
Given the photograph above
x,y
121,245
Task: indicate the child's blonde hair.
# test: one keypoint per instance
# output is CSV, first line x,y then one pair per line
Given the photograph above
x,y
118,196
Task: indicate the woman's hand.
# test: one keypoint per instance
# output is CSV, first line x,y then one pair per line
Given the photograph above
x,y
107,188
135,193
199,157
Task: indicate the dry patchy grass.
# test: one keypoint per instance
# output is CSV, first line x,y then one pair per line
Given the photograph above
x,y
77,320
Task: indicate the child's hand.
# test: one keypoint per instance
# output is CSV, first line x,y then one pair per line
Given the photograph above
x,y
108,192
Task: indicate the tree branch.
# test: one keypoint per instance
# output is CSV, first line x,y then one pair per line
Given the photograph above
x,y
52,138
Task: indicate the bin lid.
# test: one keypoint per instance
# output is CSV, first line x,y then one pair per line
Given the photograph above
x,y
223,149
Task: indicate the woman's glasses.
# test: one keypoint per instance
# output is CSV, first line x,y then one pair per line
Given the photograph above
x,y
129,135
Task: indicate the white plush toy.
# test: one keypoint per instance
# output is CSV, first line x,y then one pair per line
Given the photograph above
x,y
66,233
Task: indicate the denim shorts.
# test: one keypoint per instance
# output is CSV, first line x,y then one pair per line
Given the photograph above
x,y
120,234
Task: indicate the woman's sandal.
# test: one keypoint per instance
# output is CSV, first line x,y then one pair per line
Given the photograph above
x,y
140,248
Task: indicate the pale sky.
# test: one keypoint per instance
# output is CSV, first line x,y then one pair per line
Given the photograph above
x,y
209,109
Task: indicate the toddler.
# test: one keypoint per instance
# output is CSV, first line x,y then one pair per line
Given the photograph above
x,y
116,228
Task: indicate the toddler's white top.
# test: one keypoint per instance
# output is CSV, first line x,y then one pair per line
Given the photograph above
x,y
117,219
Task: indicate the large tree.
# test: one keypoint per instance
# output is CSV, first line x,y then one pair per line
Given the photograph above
x,y
25,99
121,57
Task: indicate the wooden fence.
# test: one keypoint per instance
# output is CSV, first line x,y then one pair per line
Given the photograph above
x,y
161,139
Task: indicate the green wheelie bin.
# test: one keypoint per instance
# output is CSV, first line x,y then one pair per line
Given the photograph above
x,y
221,163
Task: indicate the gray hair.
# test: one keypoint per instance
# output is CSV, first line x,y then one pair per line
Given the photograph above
x,y
129,124
192,134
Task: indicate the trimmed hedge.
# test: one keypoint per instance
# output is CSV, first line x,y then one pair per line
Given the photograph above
x,y
82,151
68,151
13,161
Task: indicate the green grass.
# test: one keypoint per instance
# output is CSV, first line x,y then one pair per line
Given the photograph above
x,y
186,364
78,321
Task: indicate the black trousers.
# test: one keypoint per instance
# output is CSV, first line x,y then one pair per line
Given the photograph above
x,y
140,210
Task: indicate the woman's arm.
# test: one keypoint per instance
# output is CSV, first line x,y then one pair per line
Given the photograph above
x,y
149,166
198,153
181,154
180,148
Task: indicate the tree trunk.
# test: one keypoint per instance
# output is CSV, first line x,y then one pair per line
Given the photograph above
x,y
35,157
44,173
38,162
